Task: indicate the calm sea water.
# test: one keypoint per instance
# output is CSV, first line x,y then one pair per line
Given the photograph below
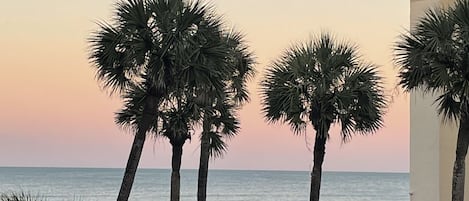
x,y
87,184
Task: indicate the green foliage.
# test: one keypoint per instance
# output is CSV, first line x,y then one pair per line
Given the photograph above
x,y
242,62
132,113
160,51
434,57
217,146
222,124
220,120
22,196
323,82
176,124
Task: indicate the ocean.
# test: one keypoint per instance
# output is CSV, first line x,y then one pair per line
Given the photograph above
x,y
102,184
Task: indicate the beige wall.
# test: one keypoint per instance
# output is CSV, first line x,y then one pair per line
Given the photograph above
x,y
448,137
424,149
424,133
432,143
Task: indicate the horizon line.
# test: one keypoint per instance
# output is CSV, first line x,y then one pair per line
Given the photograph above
x,y
218,169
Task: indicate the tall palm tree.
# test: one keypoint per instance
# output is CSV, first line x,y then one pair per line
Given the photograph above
x,y
152,49
219,120
219,123
434,57
323,82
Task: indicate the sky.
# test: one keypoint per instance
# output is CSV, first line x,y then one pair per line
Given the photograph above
x,y
53,113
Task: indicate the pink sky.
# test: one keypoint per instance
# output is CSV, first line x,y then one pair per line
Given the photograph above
x,y
53,113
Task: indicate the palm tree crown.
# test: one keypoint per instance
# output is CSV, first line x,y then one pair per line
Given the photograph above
x,y
434,57
220,111
159,48
324,82
156,41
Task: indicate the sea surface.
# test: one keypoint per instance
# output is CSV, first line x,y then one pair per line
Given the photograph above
x,y
96,184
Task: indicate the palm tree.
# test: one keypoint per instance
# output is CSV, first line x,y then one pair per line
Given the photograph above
x,y
219,119
434,57
219,123
323,82
152,49
176,126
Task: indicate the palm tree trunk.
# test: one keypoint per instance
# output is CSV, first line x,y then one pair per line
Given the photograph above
x,y
175,174
136,150
131,168
459,169
203,163
316,173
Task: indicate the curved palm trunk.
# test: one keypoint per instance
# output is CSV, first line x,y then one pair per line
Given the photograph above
x,y
203,163
316,173
175,174
459,169
136,151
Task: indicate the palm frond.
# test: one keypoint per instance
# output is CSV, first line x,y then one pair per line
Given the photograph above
x,y
324,81
224,119
434,57
220,103
448,106
21,196
176,125
133,112
132,14
111,62
217,146
243,62
283,98
368,103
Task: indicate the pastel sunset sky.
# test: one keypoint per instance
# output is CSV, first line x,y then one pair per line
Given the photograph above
x,y
53,112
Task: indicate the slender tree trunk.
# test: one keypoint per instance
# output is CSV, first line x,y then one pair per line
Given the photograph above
x,y
203,163
136,150
316,173
459,169
175,174
131,168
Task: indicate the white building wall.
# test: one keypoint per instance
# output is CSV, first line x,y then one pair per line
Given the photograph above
x,y
424,132
432,143
424,149
448,138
